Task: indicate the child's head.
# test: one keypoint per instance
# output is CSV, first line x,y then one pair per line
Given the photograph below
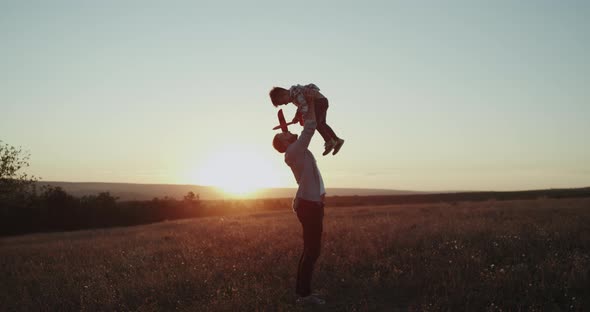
x,y
279,96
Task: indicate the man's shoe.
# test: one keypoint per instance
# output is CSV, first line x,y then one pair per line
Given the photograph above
x,y
312,299
338,146
328,146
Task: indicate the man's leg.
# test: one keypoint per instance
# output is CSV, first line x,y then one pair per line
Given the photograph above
x,y
311,218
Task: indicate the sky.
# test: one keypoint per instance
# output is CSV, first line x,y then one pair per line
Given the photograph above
x,y
429,95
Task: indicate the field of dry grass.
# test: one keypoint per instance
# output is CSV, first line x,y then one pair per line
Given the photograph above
x,y
485,256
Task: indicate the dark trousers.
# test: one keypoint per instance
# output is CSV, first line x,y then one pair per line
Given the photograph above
x,y
311,216
321,110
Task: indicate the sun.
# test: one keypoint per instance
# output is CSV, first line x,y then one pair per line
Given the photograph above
x,y
237,170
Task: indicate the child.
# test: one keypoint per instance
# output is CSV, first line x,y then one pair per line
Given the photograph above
x,y
301,96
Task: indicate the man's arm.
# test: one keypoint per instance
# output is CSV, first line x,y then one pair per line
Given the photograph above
x,y
311,112
303,107
302,142
303,96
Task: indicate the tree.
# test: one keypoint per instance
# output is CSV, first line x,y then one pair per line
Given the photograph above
x,y
56,198
15,185
191,197
103,199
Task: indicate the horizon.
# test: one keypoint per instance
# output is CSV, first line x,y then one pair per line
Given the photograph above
x,y
295,187
147,192
429,96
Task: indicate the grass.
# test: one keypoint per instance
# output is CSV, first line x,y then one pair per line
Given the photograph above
x,y
485,256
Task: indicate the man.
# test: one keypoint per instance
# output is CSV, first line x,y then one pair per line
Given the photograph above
x,y
308,203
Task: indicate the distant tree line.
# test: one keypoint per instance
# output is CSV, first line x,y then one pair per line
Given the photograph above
x,y
26,208
454,198
53,209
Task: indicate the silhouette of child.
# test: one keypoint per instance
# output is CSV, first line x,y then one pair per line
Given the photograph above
x,y
301,96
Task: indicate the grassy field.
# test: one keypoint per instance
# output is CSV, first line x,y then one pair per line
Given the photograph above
x,y
485,256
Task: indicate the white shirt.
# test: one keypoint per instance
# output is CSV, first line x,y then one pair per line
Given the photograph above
x,y
322,189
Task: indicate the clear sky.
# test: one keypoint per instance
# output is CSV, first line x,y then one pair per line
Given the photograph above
x,y
429,95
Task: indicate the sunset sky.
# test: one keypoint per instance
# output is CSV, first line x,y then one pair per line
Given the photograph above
x,y
429,95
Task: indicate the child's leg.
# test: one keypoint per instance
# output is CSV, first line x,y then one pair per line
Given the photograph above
x,y
331,139
321,109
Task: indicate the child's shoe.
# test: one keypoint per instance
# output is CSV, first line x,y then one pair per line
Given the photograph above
x,y
328,146
337,146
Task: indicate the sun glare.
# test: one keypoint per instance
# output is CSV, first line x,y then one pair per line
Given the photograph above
x,y
237,170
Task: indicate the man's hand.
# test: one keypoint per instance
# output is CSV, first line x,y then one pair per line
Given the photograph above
x,y
311,111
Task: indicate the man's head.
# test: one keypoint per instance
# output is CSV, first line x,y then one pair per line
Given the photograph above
x,y
279,96
282,140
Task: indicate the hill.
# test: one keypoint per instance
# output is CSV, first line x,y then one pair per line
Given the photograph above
x,y
132,191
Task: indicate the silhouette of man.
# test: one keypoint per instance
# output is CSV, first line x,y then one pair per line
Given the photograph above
x,y
308,203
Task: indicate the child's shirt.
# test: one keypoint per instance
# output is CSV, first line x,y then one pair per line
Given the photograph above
x,y
301,95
